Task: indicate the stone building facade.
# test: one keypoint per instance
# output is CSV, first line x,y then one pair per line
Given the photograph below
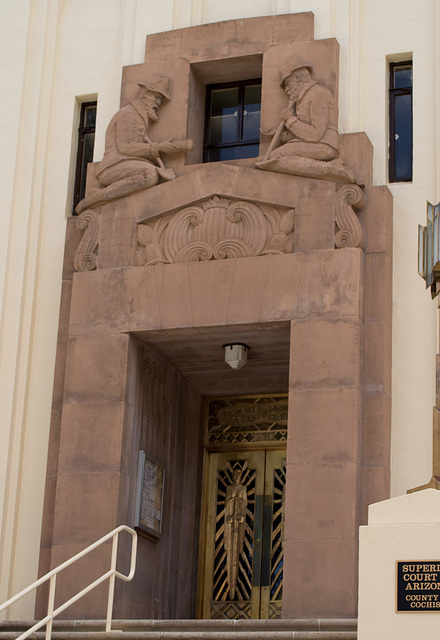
x,y
156,282
294,262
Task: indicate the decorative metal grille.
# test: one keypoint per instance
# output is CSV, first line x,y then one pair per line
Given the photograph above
x,y
277,537
275,610
231,611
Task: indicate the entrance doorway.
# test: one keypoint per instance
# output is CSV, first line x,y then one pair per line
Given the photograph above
x,y
244,507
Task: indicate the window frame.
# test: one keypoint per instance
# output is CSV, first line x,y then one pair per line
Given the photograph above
x,y
393,94
240,85
80,171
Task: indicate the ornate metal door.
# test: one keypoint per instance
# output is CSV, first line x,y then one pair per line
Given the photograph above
x,y
243,553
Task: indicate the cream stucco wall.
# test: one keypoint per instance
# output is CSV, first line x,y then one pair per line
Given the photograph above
x,y
56,53
406,528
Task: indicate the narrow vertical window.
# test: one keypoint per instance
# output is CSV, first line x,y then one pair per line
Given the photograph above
x,y
232,125
86,143
401,125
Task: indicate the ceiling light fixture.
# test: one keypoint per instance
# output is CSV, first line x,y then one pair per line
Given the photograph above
x,y
236,354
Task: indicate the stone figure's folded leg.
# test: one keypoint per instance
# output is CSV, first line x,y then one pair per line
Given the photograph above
x,y
312,150
136,182
126,169
144,176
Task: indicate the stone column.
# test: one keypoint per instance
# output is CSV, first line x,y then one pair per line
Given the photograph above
x,y
323,467
93,470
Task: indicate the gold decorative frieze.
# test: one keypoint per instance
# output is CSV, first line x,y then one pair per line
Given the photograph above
x,y
249,420
216,229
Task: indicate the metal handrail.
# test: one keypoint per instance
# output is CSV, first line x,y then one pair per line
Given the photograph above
x,y
111,575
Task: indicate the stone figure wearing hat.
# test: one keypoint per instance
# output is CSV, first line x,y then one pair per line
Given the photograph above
x,y
306,141
132,161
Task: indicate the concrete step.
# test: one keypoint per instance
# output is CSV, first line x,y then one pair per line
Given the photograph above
x,y
310,629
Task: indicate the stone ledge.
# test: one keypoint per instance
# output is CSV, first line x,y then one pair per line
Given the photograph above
x,y
301,629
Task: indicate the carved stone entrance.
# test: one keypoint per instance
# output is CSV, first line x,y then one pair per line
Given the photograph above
x,y
243,556
278,259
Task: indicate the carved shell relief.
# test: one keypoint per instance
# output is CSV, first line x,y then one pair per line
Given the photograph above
x,y
215,229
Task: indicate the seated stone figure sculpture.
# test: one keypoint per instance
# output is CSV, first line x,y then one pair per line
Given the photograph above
x,y
132,161
306,141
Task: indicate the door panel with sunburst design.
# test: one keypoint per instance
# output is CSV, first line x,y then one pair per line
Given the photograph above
x,y
273,535
244,535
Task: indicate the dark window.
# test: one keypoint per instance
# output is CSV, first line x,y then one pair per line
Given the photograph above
x,y
401,126
86,142
232,123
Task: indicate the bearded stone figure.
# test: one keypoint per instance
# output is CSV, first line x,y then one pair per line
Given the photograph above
x,y
306,141
132,161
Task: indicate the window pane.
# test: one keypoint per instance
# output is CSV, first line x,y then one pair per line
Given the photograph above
x,y
248,151
233,153
89,116
234,120
402,76
224,116
252,112
403,136
84,155
89,141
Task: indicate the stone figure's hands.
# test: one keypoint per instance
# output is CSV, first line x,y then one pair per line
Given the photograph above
x,y
169,146
176,146
268,131
286,113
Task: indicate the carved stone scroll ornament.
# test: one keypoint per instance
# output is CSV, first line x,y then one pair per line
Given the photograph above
x,y
350,232
306,141
216,229
85,258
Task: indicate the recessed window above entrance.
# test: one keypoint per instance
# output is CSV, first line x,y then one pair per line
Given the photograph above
x,y
232,123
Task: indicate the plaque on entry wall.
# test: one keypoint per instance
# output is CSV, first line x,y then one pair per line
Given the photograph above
x,y
149,499
418,585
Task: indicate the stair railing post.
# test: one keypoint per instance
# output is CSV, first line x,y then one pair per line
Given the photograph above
x,y
111,583
50,606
